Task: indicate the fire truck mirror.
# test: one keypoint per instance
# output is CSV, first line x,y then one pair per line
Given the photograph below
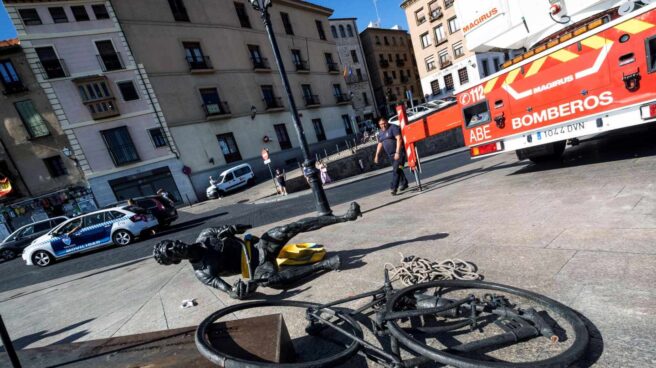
x,y
477,114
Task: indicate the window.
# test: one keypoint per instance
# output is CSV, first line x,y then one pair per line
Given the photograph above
x,y
212,102
287,23
358,73
425,40
195,57
108,57
297,60
458,50
55,166
365,98
354,56
453,25
318,129
97,96
30,17
179,11
448,82
100,11
283,137
443,55
377,40
476,114
485,67
58,14
463,77
337,90
497,64
448,3
393,41
242,15
270,99
9,77
419,16
333,30
322,34
347,124
158,137
52,65
119,145
33,121
385,41
349,30
435,12
94,219
128,91
332,66
430,63
42,226
439,34
80,13
435,87
310,99
342,33
229,147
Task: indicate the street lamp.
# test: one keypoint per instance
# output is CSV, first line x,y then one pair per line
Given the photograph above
x,y
321,202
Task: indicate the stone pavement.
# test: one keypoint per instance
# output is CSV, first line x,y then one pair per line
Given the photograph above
x,y
583,235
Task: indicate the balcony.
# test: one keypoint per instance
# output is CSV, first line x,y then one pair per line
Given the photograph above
x,y
388,81
405,79
342,98
332,67
445,63
400,62
351,79
14,87
273,103
109,62
199,64
311,100
54,68
301,66
435,14
260,64
448,3
383,63
216,109
103,108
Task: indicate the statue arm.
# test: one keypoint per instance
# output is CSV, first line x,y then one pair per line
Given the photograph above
x,y
213,281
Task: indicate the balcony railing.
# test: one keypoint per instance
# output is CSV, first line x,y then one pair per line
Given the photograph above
x,y
311,100
102,109
445,63
400,62
332,67
216,109
435,14
301,66
405,79
388,81
342,98
14,87
272,103
109,62
355,79
54,68
383,63
260,63
199,63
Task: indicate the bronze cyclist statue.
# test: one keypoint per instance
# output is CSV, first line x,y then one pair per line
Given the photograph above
x,y
218,252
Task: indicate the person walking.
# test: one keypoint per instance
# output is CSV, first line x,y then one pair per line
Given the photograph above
x,y
323,169
165,195
389,138
280,180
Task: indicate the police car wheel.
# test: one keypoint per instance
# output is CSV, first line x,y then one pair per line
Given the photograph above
x,y
122,237
42,258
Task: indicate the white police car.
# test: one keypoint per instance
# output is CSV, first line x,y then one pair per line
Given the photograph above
x,y
96,229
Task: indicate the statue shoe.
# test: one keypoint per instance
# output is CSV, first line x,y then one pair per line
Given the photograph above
x,y
332,263
353,212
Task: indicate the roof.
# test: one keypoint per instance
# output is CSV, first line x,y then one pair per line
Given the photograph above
x,y
12,42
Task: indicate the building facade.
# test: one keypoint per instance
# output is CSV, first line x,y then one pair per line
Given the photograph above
x,y
444,62
214,72
355,71
392,68
34,168
101,98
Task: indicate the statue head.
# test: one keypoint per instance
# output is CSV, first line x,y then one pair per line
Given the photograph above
x,y
168,252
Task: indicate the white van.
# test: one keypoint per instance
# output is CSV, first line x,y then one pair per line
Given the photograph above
x,y
231,179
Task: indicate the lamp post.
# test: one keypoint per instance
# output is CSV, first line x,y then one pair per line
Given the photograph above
x,y
321,202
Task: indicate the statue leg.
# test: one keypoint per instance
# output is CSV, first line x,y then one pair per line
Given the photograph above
x,y
274,239
271,277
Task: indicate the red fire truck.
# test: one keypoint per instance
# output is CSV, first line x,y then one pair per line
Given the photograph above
x,y
594,76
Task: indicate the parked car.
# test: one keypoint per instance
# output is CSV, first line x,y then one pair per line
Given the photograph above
x,y
424,109
230,180
14,244
117,226
158,206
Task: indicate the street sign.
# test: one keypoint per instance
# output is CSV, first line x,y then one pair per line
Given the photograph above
x,y
265,155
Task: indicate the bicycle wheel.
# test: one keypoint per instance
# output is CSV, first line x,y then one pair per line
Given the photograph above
x,y
228,361
576,330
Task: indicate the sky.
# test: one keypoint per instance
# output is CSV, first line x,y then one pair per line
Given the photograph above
x,y
390,14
